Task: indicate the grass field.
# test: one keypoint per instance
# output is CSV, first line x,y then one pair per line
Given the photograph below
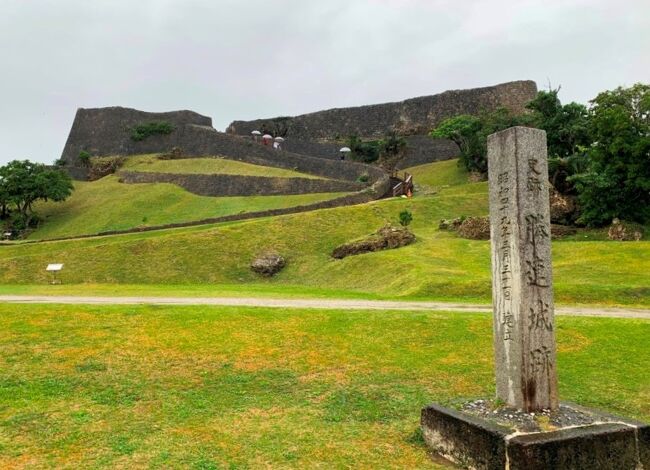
x,y
207,166
439,175
438,266
154,387
107,204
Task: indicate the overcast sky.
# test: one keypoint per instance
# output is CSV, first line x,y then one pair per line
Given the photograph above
x,y
238,59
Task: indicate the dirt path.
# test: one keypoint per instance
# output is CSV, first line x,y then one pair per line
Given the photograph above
x,y
342,304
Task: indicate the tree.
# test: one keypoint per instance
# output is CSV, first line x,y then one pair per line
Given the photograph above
x,y
25,182
567,136
367,152
566,126
470,134
463,130
617,183
4,197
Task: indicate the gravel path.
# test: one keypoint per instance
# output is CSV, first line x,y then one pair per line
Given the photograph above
x,y
343,304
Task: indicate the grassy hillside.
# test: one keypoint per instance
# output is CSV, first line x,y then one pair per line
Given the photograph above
x,y
207,166
438,175
107,204
205,387
439,265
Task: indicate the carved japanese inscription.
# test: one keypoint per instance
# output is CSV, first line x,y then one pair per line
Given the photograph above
x,y
522,280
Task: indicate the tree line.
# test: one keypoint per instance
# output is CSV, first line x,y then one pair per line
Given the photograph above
x,y
22,184
598,153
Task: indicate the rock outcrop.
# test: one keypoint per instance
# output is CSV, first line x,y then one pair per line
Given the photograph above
x,y
386,238
268,264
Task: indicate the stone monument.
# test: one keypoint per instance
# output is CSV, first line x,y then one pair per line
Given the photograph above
x,y
526,427
522,282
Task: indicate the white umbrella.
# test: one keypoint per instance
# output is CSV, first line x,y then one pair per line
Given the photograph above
x,y
267,136
256,133
345,150
279,139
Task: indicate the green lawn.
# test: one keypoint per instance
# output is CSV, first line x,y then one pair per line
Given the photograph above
x,y
215,258
107,204
207,165
202,387
438,175
438,266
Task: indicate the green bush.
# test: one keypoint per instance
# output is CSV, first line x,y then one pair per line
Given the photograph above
x,y
366,152
84,158
405,218
142,131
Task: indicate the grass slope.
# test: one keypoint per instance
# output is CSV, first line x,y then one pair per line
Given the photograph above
x,y
207,166
438,175
186,387
107,204
438,266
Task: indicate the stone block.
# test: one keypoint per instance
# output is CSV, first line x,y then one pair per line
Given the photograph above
x,y
610,442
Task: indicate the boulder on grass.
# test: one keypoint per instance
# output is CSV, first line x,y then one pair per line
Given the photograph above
x,y
268,264
387,237
624,231
453,224
475,228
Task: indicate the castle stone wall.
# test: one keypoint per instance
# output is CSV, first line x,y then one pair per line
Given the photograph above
x,y
238,185
409,117
107,131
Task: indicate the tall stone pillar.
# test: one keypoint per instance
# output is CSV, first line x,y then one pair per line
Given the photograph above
x,y
522,282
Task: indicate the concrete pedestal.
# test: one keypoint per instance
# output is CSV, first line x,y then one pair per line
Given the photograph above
x,y
609,442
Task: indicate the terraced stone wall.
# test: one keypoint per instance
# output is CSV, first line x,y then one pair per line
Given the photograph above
x,y
237,185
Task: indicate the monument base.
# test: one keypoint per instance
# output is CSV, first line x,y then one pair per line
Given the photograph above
x,y
596,440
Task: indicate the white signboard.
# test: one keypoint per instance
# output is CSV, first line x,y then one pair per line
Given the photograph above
x,y
54,267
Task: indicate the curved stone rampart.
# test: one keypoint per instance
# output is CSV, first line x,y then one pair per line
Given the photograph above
x,y
408,117
237,185
420,149
103,133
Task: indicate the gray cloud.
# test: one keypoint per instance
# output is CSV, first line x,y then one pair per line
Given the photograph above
x,y
246,59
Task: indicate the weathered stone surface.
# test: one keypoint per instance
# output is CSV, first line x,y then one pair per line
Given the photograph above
x,y
386,238
103,132
605,446
107,132
239,185
268,264
463,439
420,149
409,117
606,442
522,292
475,228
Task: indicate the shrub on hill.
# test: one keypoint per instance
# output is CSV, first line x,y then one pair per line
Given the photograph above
x,y
142,131
366,152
